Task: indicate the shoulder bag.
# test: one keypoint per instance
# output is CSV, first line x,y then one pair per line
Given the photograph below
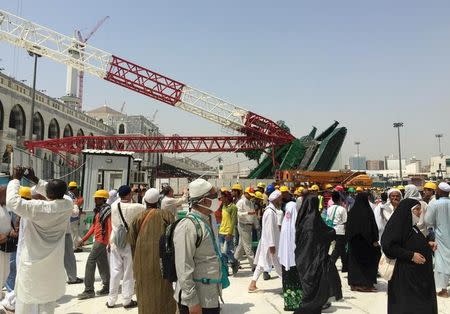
x,y
386,267
121,234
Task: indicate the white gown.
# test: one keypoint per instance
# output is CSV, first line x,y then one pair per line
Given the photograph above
x,y
270,236
287,237
42,250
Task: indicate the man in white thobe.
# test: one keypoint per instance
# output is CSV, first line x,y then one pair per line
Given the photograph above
x,y
43,243
246,219
438,216
170,203
266,254
121,259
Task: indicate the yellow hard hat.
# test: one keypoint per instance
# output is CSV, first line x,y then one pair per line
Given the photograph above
x,y
284,188
430,185
237,186
101,194
297,192
315,187
250,191
261,185
259,195
328,186
400,187
223,189
73,184
300,189
25,192
359,189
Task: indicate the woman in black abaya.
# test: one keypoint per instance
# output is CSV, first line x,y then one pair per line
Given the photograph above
x,y
363,248
318,274
411,289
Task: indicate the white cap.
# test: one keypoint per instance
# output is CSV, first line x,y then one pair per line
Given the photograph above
x,y
444,186
274,195
112,193
151,196
199,187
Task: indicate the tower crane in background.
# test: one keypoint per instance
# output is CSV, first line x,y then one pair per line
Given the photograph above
x,y
84,41
257,132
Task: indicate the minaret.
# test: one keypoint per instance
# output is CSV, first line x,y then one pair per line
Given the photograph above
x,y
71,98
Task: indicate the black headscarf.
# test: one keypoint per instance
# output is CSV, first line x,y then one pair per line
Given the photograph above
x,y
398,230
318,274
361,220
411,288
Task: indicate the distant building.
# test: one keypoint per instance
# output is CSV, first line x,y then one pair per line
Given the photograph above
x,y
440,166
375,165
414,166
393,164
123,124
357,163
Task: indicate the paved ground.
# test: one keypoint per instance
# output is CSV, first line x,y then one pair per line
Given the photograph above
x,y
237,300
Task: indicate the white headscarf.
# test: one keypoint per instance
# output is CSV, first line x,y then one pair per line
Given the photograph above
x,y
394,190
274,195
411,191
112,197
388,209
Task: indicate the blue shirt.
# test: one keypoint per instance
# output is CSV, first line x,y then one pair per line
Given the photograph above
x,y
438,216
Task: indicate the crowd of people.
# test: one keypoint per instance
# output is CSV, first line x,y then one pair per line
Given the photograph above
x,y
180,262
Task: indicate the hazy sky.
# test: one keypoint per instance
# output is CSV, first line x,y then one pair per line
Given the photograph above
x,y
363,63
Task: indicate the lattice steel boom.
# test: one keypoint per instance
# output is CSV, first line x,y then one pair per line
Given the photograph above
x,y
61,48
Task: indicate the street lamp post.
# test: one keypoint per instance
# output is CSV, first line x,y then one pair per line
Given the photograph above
x,y
398,125
33,94
439,136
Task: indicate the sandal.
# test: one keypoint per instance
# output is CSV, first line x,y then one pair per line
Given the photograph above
x,y
130,305
76,281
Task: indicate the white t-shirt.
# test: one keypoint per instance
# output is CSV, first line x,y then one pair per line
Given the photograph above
x,y
129,211
5,220
340,218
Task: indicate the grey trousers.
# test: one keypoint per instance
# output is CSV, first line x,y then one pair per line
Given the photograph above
x,y
70,263
245,243
99,257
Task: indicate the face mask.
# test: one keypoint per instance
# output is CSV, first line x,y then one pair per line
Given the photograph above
x,y
214,204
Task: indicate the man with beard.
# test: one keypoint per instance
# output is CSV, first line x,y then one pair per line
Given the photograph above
x,y
155,295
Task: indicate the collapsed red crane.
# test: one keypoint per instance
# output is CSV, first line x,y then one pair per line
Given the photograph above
x,y
258,132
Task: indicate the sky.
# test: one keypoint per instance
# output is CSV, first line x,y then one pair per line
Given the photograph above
x,y
365,64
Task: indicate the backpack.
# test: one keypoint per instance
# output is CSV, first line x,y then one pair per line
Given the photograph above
x,y
167,249
121,235
330,222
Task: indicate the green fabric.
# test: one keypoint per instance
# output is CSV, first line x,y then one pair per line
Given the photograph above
x,y
224,281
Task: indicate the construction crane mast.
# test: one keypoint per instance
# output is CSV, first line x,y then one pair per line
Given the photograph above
x,y
257,132
81,74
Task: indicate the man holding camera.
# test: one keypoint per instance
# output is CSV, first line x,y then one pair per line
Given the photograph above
x,y
43,246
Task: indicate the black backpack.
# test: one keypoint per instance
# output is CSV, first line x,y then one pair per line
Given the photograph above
x,y
167,249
